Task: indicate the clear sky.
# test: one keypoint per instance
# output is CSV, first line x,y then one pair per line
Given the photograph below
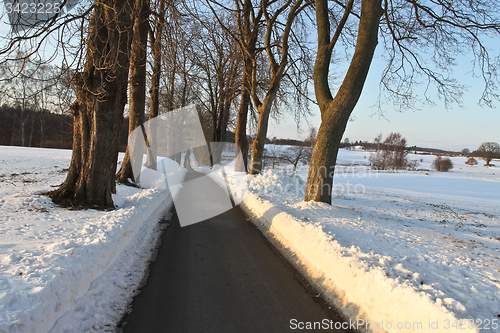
x,y
434,127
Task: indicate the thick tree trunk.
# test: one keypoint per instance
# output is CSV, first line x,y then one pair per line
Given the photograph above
x,y
241,140
98,110
137,84
335,112
80,128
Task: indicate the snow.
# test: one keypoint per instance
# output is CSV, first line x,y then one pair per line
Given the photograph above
x,y
394,247
405,248
63,270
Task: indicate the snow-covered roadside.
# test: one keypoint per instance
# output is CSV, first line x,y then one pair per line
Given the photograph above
x,y
358,291
74,269
403,257
108,296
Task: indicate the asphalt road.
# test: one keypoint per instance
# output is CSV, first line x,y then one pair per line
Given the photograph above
x,y
221,275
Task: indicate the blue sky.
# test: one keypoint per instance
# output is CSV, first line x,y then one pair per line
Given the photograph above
x,y
435,127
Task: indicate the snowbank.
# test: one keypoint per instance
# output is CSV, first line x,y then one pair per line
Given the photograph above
x,y
69,271
106,298
394,272
358,291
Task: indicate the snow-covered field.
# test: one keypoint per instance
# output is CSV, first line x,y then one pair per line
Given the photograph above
x,y
69,271
405,248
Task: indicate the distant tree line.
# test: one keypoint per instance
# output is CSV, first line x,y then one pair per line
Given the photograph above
x,y
43,129
286,142
307,142
30,128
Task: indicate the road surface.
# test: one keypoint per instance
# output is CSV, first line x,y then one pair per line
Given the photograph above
x,y
221,275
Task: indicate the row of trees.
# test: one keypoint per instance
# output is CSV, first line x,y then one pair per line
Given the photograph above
x,y
392,154
30,93
31,128
252,56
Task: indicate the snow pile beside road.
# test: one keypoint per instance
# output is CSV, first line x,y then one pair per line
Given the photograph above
x,y
394,260
82,266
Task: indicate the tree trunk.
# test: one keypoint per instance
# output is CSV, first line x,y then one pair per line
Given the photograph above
x,y
98,110
23,125
335,112
264,110
241,140
170,94
155,84
42,128
220,129
137,99
32,129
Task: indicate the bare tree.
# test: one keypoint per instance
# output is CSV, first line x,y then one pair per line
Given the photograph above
x,y
311,137
29,86
155,37
390,154
98,110
179,35
465,152
409,28
442,164
264,26
295,155
100,79
487,151
45,79
249,26
219,64
272,152
137,81
18,89
276,43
